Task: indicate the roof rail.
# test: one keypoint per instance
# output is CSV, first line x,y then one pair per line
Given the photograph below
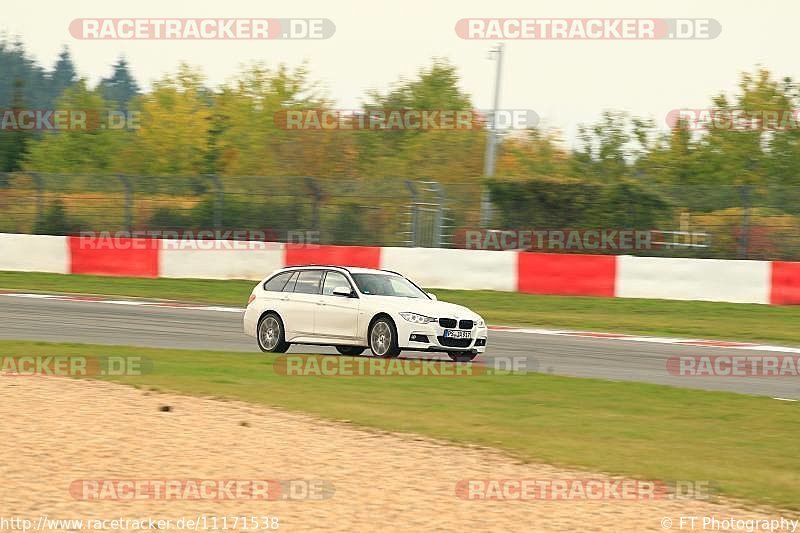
x,y
319,266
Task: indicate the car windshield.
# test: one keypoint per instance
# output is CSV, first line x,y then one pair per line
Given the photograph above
x,y
387,285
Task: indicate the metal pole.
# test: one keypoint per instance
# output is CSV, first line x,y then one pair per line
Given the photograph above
x,y
316,193
128,201
413,228
219,199
39,183
744,190
437,231
489,159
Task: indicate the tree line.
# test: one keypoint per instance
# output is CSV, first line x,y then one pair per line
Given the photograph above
x,y
184,127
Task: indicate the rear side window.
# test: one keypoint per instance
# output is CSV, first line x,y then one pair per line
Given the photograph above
x,y
308,282
276,283
290,285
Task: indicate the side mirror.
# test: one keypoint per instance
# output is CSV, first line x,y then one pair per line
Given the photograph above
x,y
343,291
431,296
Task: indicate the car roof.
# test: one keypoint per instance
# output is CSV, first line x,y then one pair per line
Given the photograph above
x,y
352,270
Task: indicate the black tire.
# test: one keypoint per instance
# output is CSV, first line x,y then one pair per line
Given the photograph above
x,y
274,342
350,350
382,338
462,357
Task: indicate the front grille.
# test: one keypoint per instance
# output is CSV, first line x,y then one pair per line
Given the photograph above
x,y
447,322
454,343
465,324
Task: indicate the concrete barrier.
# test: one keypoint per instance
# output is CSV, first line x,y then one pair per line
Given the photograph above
x,y
714,280
221,260
34,253
566,274
454,269
785,283
107,256
718,280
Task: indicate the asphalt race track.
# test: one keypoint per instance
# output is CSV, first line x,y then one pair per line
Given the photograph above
x,y
102,323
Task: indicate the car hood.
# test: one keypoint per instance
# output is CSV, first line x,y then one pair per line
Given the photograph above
x,y
431,308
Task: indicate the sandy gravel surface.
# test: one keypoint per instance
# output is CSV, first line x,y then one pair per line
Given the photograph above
x,y
54,431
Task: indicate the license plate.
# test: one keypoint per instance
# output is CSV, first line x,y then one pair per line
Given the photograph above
x,y
456,334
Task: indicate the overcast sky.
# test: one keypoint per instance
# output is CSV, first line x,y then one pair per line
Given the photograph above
x,y
376,42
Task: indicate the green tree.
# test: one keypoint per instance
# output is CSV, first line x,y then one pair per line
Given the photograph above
x,y
14,142
64,74
120,87
80,149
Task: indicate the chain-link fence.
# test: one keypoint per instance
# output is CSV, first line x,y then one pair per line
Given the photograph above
x,y
744,222
388,212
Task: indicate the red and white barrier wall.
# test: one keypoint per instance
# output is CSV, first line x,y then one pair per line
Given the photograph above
x,y
764,282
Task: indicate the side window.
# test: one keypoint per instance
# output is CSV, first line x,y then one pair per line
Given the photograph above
x,y
276,283
333,279
308,282
290,284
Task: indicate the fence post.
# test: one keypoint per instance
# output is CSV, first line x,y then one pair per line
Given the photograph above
x,y
316,194
128,201
439,220
219,200
39,184
413,229
744,239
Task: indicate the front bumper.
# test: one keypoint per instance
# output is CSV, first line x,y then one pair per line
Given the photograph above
x,y
435,340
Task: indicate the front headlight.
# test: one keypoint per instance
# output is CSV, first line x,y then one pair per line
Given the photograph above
x,y
416,318
480,323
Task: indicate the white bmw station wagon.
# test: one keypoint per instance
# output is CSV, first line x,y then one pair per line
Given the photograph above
x,y
358,308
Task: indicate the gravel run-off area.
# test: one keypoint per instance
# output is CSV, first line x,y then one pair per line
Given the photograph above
x,y
56,431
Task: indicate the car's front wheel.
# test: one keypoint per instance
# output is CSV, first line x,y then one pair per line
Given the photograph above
x,y
350,350
462,357
270,334
383,338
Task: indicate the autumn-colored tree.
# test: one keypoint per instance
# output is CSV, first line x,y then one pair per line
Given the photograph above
x,y
533,154
250,135
443,153
174,120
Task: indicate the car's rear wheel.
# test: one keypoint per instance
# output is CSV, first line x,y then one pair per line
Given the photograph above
x,y
383,338
350,350
270,334
462,357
